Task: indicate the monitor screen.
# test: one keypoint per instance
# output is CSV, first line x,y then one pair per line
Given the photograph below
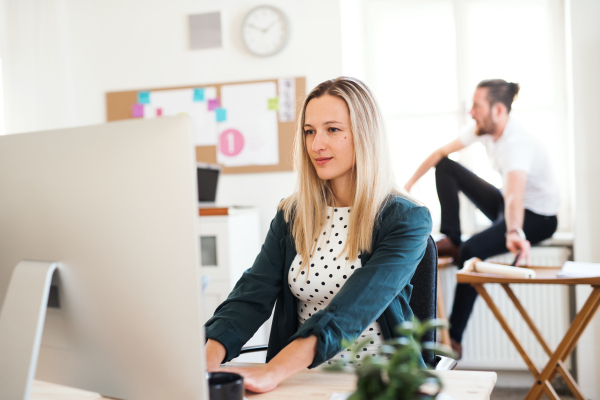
x,y
114,207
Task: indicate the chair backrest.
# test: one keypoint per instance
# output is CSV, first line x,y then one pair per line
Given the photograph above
x,y
423,301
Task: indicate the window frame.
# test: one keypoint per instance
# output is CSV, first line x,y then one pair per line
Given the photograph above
x,y
470,223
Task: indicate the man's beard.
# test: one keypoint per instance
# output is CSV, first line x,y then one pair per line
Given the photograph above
x,y
487,126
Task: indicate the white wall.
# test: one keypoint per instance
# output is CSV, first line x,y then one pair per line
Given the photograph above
x,y
64,55
583,17
353,38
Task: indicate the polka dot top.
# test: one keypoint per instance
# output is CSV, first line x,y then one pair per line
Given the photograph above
x,y
314,287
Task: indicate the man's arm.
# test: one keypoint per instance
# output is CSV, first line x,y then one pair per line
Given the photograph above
x,y
514,213
432,161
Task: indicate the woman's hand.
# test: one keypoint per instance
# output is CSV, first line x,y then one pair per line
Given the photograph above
x,y
215,354
259,379
294,357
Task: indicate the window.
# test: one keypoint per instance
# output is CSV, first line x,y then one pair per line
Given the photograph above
x,y
2,124
424,59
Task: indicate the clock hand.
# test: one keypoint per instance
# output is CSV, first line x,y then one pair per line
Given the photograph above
x,y
255,27
271,25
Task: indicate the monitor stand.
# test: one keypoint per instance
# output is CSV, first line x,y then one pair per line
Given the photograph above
x,y
21,326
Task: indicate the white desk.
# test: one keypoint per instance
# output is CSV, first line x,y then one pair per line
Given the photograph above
x,y
310,384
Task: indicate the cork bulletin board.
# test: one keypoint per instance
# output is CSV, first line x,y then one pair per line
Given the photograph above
x,y
119,107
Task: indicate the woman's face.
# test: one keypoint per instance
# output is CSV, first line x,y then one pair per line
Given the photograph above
x,y
329,140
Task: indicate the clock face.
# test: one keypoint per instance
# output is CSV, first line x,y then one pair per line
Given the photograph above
x,y
265,30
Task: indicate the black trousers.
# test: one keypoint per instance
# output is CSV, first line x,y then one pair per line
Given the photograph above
x,y
450,178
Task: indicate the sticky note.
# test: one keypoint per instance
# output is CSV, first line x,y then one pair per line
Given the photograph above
x,y
159,112
199,94
144,97
274,104
137,111
221,114
213,103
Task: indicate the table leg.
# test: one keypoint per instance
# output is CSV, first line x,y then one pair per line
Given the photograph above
x,y
441,312
583,317
586,322
513,338
560,367
549,389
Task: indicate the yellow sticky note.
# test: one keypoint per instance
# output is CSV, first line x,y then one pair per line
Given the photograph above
x,y
274,103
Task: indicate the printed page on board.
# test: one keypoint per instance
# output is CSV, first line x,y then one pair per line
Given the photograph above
x,y
247,125
198,103
287,99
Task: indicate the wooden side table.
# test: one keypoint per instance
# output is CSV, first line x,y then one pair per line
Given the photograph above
x,y
544,275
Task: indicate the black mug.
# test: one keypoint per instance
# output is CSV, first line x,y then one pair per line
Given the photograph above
x,y
225,386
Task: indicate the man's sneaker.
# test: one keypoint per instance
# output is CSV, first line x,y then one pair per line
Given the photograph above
x,y
446,248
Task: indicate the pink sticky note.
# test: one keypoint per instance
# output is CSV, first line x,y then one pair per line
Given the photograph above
x,y
159,112
137,111
213,103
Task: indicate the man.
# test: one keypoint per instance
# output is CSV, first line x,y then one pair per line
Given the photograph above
x,y
522,213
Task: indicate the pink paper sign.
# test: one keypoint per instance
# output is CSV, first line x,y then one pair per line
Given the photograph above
x,y
137,111
213,103
231,142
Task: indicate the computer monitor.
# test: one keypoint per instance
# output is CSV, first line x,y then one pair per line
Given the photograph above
x,y
115,207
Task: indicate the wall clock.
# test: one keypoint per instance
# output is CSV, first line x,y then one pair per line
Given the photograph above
x,y
265,30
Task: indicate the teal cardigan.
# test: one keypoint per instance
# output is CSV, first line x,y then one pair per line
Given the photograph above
x,y
380,290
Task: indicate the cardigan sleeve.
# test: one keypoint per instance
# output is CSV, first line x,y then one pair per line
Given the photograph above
x,y
251,301
400,246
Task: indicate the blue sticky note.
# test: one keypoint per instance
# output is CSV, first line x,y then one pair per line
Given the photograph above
x,y
221,114
144,97
199,94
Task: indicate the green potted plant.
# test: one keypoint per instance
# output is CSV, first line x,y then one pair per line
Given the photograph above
x,y
397,371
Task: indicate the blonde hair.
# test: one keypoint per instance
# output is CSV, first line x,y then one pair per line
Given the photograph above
x,y
372,176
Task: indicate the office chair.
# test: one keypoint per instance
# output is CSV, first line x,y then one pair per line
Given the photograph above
x,y
423,303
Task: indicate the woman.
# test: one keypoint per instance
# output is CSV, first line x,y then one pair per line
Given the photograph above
x,y
340,253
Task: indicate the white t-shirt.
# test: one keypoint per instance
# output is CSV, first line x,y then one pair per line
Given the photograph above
x,y
316,286
518,150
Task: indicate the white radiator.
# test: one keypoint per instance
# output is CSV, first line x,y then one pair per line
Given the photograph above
x,y
485,344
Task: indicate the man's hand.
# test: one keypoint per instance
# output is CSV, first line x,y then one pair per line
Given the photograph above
x,y
259,379
515,243
408,186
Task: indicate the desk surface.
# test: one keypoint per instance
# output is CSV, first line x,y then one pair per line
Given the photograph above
x,y
309,384
317,385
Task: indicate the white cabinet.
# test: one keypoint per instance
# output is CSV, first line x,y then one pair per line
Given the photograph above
x,y
229,243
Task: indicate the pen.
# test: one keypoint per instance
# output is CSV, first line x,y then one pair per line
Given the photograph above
x,y
514,263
